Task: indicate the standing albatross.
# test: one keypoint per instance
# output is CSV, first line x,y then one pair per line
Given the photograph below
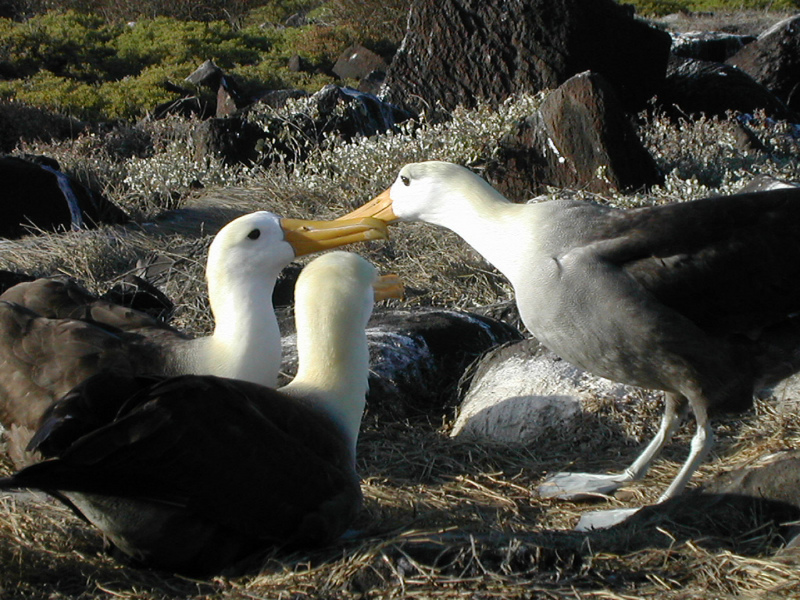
x,y
697,299
46,350
193,473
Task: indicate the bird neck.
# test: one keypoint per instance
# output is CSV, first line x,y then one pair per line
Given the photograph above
x,y
333,369
493,226
246,343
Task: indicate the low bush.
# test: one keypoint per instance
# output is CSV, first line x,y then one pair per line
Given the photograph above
x,y
86,67
664,7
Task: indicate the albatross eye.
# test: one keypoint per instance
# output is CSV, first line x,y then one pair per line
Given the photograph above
x,y
255,234
406,181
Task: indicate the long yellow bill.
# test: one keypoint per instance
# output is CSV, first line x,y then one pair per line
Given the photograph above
x,y
306,237
388,286
380,207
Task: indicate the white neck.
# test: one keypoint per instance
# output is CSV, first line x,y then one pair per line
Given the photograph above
x,y
490,223
333,369
246,343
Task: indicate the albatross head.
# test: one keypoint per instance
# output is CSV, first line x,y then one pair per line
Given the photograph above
x,y
262,242
244,261
433,192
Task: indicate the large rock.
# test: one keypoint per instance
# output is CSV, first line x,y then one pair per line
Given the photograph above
x,y
695,87
36,194
233,139
774,60
457,52
349,113
356,62
418,357
521,391
715,46
581,139
336,113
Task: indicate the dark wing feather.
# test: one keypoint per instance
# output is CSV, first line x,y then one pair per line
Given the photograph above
x,y
64,298
42,359
727,263
233,453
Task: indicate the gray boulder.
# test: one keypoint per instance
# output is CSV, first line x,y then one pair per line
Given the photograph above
x,y
521,391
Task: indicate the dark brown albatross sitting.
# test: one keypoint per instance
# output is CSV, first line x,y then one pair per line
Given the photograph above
x,y
698,299
52,338
193,473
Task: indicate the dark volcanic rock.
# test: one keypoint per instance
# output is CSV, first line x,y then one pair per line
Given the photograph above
x,y
581,139
349,113
357,62
695,87
207,75
774,60
35,194
456,52
715,46
279,98
232,138
189,106
372,83
343,113
417,358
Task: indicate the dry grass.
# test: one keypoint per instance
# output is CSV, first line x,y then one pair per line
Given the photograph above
x,y
443,518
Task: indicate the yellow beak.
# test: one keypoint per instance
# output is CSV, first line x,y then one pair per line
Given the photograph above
x,y
380,207
388,286
306,237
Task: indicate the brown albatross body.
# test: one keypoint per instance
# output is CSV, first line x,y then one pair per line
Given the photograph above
x,y
193,473
53,336
698,299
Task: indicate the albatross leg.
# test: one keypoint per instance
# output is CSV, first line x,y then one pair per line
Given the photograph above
x,y
701,445
581,486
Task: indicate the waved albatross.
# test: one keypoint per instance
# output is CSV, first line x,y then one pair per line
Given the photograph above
x,y
193,473
697,299
43,356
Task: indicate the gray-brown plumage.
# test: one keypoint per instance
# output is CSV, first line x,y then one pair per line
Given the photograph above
x,y
699,299
193,473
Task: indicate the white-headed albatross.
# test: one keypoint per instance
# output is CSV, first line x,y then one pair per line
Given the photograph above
x,y
697,299
43,356
193,473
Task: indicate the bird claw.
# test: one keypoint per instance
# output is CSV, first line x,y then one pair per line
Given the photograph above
x,y
603,519
580,486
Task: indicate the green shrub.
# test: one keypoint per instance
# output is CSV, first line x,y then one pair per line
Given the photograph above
x,y
67,44
133,97
60,94
664,7
166,40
